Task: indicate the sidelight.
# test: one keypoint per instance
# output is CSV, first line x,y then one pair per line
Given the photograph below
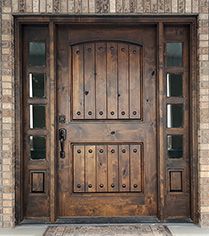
x,y
174,115
174,85
37,54
37,147
174,54
175,146
37,116
37,85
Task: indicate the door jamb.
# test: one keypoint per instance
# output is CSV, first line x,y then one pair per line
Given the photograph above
x,y
52,21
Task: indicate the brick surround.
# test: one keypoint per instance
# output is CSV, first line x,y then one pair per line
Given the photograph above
x,y
7,111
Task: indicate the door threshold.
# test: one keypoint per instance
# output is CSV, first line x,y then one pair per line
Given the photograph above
x,y
107,220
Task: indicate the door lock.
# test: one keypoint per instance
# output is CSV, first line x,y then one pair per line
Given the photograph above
x,y
62,119
62,138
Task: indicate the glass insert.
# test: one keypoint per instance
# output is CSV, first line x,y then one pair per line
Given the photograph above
x,y
37,53
37,116
37,85
37,147
174,115
175,146
174,85
174,54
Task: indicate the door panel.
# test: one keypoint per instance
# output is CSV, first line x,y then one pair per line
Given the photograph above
x,y
106,73
94,164
107,90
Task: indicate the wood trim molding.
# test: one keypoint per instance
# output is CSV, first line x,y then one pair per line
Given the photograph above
x,y
103,19
194,122
160,123
18,124
52,112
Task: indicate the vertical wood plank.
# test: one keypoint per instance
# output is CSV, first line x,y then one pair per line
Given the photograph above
x,y
18,124
193,126
101,92
101,151
78,171
90,168
78,93
112,95
123,81
52,108
112,168
160,127
124,168
89,78
135,81
135,168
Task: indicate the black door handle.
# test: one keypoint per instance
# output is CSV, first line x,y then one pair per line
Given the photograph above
x,y
62,138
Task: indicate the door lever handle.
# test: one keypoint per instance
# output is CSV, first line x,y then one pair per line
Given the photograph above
x,y
62,138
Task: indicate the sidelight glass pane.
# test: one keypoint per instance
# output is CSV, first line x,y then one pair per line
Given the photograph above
x,y
37,147
37,85
174,115
37,53
175,146
174,54
37,116
174,85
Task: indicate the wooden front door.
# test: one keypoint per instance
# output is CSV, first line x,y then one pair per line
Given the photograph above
x,y
106,109
106,119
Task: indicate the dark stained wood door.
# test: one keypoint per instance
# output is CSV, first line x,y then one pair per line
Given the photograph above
x,y
105,118
107,105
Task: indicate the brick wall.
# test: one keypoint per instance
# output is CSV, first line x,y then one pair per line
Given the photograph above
x,y
7,112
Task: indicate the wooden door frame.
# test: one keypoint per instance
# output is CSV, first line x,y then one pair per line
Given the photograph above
x,y
52,21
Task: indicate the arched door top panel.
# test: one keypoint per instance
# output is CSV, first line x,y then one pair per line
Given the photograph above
x,y
107,80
